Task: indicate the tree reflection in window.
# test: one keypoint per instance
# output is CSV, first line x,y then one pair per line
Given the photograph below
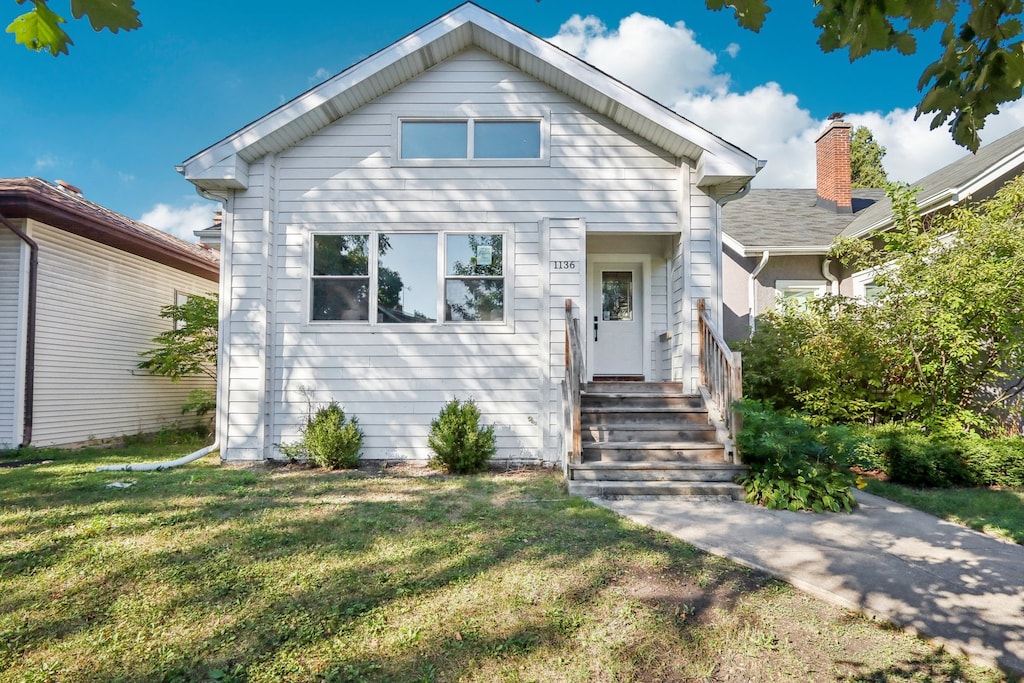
x,y
341,277
474,287
406,278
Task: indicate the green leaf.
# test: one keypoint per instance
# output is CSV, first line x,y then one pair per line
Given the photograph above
x,y
750,14
113,15
39,29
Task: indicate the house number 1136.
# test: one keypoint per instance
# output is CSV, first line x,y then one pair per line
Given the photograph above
x,y
563,265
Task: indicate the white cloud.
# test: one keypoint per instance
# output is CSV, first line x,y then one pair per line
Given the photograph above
x,y
180,221
320,75
45,161
663,62
667,63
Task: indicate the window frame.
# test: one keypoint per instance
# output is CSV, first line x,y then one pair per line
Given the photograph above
x,y
815,288
483,115
505,323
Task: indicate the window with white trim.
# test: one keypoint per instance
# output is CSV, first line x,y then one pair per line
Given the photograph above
x,y
471,138
866,287
799,292
401,278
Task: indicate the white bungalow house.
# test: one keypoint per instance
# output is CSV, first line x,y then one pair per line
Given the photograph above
x,y
81,289
409,231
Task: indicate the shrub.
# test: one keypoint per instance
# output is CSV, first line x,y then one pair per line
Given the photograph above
x,y
916,459
328,440
791,467
459,443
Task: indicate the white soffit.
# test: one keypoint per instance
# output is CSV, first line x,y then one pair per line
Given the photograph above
x,y
466,26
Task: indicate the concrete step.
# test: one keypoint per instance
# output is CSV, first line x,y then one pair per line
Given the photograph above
x,y
648,431
655,471
654,451
656,489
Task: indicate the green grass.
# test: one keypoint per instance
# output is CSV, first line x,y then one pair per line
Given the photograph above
x,y
999,512
290,574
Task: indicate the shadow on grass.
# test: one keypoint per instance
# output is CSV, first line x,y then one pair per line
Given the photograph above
x,y
206,571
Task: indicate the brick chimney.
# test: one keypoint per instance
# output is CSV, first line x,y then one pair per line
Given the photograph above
x,y
833,161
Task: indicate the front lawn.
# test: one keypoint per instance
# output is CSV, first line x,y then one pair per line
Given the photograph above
x,y
999,512
292,574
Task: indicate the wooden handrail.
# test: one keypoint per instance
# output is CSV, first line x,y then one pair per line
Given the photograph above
x,y
721,371
574,378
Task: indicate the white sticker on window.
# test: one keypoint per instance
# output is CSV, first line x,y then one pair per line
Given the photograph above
x,y
484,254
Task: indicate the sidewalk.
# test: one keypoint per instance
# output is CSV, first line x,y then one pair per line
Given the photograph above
x,y
953,585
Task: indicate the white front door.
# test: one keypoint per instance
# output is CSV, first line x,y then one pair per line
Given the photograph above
x,y
615,327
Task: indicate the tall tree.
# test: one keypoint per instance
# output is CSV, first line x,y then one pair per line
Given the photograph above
x,y
866,160
982,60
40,29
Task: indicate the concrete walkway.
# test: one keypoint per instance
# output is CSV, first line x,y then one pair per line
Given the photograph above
x,y
951,584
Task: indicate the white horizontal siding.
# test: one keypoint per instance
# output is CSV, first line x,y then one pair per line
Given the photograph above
x,y
10,359
97,308
345,178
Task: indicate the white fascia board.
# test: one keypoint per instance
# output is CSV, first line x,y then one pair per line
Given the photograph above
x,y
230,174
732,161
320,95
713,169
951,196
784,250
728,156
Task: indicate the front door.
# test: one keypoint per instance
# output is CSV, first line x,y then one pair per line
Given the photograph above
x,y
616,327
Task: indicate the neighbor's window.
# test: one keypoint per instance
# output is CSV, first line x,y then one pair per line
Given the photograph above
x,y
471,139
798,292
341,277
474,284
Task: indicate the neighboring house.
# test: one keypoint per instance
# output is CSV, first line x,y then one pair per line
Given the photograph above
x,y
777,240
410,230
71,336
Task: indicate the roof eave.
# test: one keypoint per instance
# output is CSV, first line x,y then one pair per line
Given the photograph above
x,y
223,165
37,207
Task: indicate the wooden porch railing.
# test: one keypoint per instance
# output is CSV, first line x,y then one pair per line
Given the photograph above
x,y
721,371
575,374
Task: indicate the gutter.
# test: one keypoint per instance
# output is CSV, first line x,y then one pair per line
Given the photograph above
x,y
827,272
30,330
752,313
202,452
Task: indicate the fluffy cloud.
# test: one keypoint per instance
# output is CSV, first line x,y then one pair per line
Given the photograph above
x,y
180,221
667,63
664,62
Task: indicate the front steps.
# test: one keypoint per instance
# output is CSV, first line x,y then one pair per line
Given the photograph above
x,y
649,439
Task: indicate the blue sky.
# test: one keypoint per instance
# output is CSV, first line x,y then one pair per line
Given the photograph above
x,y
117,115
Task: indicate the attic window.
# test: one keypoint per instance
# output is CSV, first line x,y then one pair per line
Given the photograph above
x,y
471,139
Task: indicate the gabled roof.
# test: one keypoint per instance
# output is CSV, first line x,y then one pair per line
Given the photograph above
x,y
788,221
41,201
224,165
977,174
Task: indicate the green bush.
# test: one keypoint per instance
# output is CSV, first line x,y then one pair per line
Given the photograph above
x,y
791,464
996,462
328,440
913,458
460,444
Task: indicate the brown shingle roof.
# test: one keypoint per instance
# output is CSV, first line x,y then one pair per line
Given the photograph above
x,y
41,201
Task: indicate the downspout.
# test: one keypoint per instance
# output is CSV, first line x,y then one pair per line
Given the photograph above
x,y
834,286
751,289
202,452
30,329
